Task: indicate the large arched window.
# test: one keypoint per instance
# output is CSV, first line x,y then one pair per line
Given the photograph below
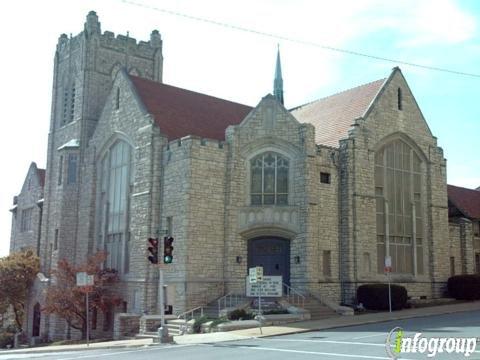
x,y
398,190
115,181
269,179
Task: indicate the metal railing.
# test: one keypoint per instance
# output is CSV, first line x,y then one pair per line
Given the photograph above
x,y
185,315
293,296
228,301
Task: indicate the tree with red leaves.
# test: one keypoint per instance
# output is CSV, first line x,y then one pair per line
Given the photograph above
x,y
67,300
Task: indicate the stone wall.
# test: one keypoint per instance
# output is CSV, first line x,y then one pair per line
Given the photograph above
x,y
30,199
86,66
126,326
382,124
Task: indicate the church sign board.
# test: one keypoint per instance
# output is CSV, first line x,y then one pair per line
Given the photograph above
x,y
271,286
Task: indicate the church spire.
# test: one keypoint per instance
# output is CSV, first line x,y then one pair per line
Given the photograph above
x,y
278,82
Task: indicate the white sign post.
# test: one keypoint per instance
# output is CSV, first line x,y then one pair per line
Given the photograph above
x,y
255,276
388,270
85,281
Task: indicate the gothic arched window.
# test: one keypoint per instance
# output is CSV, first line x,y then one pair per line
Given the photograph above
x,y
398,190
269,179
115,183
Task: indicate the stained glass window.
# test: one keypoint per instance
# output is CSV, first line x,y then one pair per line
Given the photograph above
x,y
269,179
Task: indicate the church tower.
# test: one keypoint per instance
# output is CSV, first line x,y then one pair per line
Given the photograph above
x,y
85,66
278,82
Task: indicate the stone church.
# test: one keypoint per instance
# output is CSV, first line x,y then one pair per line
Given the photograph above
x,y
319,194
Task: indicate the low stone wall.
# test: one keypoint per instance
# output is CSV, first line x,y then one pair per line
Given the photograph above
x,y
151,323
126,325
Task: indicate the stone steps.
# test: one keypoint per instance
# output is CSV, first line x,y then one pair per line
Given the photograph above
x,y
317,310
175,326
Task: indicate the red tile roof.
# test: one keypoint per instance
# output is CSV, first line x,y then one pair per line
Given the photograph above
x,y
465,200
179,112
334,115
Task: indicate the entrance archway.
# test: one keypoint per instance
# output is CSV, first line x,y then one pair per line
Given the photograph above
x,y
36,320
273,254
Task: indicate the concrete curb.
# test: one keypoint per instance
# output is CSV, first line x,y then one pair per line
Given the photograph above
x,y
48,349
238,336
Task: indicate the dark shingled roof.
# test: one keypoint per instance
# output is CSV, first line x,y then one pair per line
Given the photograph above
x,y
179,112
334,115
465,200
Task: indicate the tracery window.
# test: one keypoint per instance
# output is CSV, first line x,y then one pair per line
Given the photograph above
x,y
114,205
269,179
399,213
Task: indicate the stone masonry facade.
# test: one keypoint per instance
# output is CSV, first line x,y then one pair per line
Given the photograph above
x,y
115,177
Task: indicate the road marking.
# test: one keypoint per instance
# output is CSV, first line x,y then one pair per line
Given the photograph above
x,y
327,342
319,353
369,336
128,351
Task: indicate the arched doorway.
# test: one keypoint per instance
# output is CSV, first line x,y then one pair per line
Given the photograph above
x,y
273,254
36,320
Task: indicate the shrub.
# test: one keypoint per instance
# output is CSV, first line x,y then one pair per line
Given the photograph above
x,y
7,336
217,322
197,325
375,296
464,287
239,314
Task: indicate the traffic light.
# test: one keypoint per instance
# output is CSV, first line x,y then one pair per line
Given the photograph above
x,y
167,250
153,249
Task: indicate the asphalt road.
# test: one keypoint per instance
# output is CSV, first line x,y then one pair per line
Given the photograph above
x,y
355,342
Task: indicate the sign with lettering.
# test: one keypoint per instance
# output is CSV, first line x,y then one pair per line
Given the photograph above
x,y
252,275
83,279
255,274
270,286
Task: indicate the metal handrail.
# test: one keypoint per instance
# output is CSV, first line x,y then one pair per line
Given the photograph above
x,y
184,316
294,297
229,299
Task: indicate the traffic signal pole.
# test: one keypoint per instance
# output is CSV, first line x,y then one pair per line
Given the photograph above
x,y
163,330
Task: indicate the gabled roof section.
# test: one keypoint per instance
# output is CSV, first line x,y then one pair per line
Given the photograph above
x,y
333,116
465,200
179,112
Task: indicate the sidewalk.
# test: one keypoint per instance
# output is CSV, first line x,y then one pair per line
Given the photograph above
x,y
119,344
298,327
331,323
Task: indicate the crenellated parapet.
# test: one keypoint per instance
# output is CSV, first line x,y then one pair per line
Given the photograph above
x,y
195,143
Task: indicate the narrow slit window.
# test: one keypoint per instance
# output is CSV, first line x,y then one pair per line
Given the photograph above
x,y
117,99
399,99
72,103
60,171
72,168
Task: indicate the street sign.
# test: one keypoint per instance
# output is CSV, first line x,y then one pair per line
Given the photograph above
x,y
83,279
255,274
388,264
252,275
85,282
259,270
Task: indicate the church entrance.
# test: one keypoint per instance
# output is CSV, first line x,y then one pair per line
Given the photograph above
x,y
273,254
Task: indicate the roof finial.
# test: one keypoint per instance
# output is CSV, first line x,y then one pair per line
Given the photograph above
x,y
278,81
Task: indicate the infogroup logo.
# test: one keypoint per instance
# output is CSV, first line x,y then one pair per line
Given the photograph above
x,y
397,343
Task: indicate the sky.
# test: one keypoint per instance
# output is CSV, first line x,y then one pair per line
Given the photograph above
x,y
239,65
